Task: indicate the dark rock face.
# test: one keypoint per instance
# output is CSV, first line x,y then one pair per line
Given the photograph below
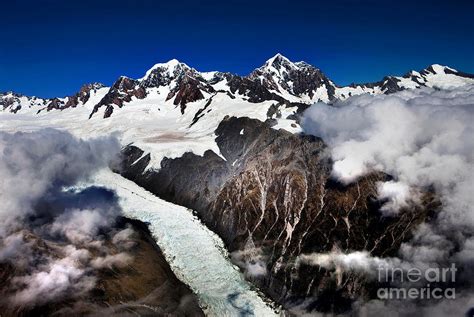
x,y
253,89
73,101
55,103
458,73
188,89
274,193
83,95
304,78
11,101
122,91
8,102
108,111
390,85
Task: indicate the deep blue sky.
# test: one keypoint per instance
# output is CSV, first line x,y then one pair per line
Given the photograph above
x,y
50,48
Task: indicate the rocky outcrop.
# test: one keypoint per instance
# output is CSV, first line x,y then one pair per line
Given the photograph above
x,y
122,91
55,103
14,102
83,95
254,90
187,89
10,101
273,197
73,101
298,79
390,85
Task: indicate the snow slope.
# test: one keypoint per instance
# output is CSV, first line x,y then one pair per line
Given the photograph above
x,y
156,126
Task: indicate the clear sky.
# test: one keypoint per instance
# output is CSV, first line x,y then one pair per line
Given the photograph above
x,y
50,48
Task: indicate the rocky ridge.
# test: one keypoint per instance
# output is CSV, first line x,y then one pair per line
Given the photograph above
x,y
272,199
279,79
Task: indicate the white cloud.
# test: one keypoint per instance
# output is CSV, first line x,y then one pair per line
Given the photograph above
x,y
398,195
34,167
421,137
82,226
110,261
425,139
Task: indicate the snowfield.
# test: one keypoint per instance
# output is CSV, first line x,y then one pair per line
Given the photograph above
x,y
153,124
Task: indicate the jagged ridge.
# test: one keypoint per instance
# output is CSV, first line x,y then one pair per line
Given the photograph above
x,y
279,79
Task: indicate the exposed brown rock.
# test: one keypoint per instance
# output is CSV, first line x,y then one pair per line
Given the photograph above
x,y
187,89
7,102
274,191
253,89
122,91
55,103
73,101
304,78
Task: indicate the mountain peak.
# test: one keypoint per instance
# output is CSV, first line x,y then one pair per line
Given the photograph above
x,y
169,67
277,57
278,61
439,69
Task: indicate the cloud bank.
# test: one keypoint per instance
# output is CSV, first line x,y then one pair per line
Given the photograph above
x,y
425,139
52,238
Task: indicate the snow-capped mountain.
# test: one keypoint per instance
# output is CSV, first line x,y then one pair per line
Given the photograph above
x,y
434,76
295,82
14,102
279,80
88,94
226,146
177,103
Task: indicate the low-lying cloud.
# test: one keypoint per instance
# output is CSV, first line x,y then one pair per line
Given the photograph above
x,y
425,139
48,234
251,260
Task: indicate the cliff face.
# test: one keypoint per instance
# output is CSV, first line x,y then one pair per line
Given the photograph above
x,y
271,200
122,91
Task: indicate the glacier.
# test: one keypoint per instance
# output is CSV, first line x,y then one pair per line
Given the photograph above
x,y
196,255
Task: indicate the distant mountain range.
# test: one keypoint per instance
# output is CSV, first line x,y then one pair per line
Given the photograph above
x,y
279,80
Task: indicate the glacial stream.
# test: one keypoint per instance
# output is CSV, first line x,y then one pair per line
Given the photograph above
x,y
196,255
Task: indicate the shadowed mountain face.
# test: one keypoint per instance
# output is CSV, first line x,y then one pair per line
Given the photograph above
x,y
271,200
